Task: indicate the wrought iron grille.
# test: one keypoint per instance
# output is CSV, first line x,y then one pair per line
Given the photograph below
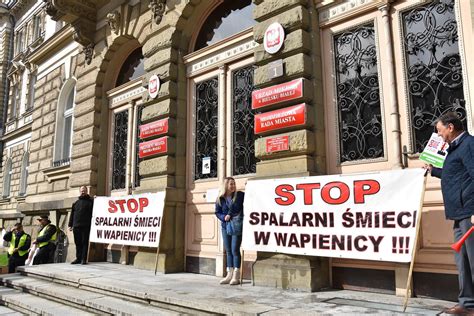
x,y
358,99
119,158
137,146
435,84
206,127
244,161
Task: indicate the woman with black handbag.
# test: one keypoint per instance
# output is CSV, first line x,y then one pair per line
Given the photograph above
x,y
230,211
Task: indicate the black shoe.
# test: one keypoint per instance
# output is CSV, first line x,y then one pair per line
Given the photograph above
x,y
76,261
84,262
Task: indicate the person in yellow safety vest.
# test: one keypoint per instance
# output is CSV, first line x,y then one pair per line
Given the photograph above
x,y
46,241
20,242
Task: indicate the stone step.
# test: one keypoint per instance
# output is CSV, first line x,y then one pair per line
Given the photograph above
x,y
26,303
120,282
5,311
97,303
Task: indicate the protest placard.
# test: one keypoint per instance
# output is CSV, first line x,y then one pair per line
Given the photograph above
x,y
435,151
133,220
365,216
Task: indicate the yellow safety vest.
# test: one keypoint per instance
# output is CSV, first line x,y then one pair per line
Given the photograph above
x,y
41,233
20,244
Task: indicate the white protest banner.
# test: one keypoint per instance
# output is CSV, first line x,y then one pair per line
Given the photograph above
x,y
133,220
435,151
364,216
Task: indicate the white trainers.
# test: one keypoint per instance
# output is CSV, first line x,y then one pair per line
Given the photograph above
x,y
228,277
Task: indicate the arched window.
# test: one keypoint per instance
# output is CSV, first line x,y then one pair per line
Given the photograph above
x,y
24,173
7,178
63,140
132,68
230,18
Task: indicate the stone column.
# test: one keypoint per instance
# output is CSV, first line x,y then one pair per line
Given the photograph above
x,y
301,59
5,38
392,91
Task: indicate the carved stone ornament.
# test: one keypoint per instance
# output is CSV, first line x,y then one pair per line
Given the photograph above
x,y
113,20
52,11
88,52
157,7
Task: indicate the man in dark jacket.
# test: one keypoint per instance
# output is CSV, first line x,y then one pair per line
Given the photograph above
x,y
80,224
46,241
20,242
457,185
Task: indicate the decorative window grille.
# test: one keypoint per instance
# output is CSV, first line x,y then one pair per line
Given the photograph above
x,y
434,72
358,97
207,93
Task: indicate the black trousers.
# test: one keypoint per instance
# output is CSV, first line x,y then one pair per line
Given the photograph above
x,y
45,254
81,239
16,261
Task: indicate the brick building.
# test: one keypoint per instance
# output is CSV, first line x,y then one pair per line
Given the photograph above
x,y
377,74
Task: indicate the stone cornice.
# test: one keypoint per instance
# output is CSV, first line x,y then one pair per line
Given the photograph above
x,y
19,6
82,15
51,45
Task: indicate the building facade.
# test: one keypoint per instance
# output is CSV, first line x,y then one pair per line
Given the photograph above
x,y
377,74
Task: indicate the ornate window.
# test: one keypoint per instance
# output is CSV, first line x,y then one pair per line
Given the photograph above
x,y
230,18
119,156
7,178
244,161
64,124
358,98
207,93
434,73
137,145
24,174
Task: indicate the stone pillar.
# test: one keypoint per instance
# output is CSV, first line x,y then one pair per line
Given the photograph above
x,y
6,33
306,154
392,92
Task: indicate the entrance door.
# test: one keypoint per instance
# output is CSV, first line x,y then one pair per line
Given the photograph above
x,y
221,144
123,176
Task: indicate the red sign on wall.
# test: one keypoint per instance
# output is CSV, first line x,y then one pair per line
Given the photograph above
x,y
278,119
154,129
153,147
275,144
275,94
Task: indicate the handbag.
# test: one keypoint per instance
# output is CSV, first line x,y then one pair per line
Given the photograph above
x,y
234,226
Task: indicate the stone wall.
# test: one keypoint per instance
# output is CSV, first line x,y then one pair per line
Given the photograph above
x,y
43,129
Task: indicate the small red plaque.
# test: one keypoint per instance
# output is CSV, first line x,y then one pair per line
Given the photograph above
x,y
275,94
278,119
153,147
154,128
275,144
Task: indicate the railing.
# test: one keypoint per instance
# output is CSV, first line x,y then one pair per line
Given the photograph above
x,y
62,162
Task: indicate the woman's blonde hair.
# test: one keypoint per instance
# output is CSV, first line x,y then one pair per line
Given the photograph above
x,y
223,189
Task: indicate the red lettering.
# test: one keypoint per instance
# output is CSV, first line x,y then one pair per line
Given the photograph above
x,y
308,191
143,203
112,207
286,198
132,205
363,188
121,203
343,190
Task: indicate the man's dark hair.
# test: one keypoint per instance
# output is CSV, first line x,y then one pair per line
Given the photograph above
x,y
451,118
18,225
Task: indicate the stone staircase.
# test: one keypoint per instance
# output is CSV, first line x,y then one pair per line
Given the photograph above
x,y
40,291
